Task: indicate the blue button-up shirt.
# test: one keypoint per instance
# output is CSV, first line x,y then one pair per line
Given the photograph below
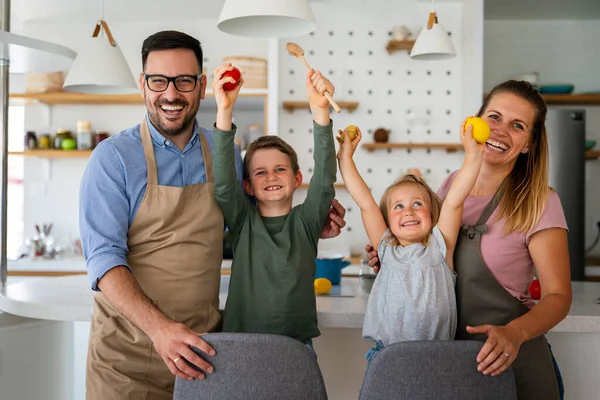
x,y
114,183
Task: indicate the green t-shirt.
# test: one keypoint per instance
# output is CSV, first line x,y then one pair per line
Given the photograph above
x,y
271,288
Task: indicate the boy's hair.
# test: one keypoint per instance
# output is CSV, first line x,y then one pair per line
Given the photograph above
x,y
171,40
270,142
434,202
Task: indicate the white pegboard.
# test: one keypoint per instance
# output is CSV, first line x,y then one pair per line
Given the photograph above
x,y
418,101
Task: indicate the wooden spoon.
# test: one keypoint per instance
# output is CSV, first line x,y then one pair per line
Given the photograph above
x,y
297,51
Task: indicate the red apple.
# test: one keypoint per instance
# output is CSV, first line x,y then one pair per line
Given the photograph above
x,y
535,290
235,74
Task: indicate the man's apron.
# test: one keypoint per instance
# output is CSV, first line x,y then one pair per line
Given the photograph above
x,y
175,251
482,300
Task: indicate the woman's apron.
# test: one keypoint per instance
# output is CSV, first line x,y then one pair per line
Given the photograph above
x,y
175,251
482,300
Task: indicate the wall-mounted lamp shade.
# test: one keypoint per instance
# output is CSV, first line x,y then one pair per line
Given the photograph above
x,y
433,43
266,18
27,54
100,67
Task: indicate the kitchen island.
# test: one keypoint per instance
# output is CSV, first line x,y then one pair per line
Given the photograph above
x,y
340,348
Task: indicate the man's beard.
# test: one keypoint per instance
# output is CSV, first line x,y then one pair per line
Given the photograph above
x,y
170,130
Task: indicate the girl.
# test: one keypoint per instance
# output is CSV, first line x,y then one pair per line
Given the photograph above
x,y
413,295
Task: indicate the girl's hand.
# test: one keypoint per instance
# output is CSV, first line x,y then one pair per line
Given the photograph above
x,y
225,99
500,349
348,147
316,86
472,147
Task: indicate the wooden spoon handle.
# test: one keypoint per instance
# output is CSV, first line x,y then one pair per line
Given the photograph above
x,y
327,95
332,102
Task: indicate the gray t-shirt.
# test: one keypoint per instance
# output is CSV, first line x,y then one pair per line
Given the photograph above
x,y
413,295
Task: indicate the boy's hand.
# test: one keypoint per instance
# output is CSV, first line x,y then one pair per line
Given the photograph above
x,y
348,147
225,99
316,85
472,147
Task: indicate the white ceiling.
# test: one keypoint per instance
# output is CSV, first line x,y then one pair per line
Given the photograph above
x,y
542,9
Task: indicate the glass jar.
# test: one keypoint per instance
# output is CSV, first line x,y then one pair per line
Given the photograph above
x,y
30,140
84,135
100,136
44,141
61,134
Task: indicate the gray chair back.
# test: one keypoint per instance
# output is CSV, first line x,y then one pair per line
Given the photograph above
x,y
427,370
251,366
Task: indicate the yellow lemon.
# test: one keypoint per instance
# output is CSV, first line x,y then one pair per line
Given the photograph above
x,y
481,129
322,285
351,129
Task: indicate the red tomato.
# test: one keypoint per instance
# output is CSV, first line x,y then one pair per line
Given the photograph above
x,y
535,290
235,74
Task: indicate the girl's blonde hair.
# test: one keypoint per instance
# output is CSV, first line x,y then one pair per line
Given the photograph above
x,y
431,198
526,187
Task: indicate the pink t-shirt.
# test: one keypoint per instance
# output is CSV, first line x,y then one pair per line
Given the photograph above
x,y
507,256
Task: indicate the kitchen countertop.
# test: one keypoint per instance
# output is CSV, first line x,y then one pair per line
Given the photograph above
x,y
69,298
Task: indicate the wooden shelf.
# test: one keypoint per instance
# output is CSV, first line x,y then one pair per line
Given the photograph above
x,y
52,98
570,99
290,106
449,147
577,99
53,153
399,45
335,185
592,154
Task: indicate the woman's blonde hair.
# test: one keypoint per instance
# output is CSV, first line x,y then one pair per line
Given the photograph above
x,y
526,187
431,198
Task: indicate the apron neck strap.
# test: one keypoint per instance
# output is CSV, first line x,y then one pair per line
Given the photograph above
x,y
151,159
148,153
491,206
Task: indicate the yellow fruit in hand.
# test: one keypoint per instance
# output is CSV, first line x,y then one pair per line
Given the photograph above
x,y
322,285
481,129
352,131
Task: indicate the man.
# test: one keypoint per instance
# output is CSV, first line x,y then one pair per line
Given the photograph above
x,y
152,234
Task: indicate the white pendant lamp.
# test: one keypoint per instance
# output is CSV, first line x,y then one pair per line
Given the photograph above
x,y
100,67
433,43
266,18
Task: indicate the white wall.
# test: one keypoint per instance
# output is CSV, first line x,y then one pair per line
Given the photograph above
x,y
561,51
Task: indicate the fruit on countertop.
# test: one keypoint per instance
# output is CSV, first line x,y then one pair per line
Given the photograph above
x,y
535,289
481,129
322,285
235,74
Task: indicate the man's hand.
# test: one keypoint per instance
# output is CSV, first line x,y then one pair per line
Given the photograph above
x,y
335,221
373,258
172,343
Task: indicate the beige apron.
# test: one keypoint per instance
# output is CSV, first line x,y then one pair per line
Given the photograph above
x,y
175,251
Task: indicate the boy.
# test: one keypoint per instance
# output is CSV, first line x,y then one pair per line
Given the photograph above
x,y
274,245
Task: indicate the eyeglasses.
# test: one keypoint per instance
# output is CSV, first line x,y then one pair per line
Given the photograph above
x,y
183,83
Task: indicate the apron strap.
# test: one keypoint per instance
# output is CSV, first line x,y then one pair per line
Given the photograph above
x,y
148,153
480,227
206,156
491,206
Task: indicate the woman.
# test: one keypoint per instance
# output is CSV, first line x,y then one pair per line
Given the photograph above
x,y
513,222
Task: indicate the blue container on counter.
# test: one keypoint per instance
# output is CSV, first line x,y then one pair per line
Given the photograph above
x,y
330,267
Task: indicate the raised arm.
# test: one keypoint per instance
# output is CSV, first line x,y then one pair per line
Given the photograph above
x,y
355,185
452,206
321,192
228,193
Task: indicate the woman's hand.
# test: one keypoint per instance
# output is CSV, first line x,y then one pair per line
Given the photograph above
x,y
500,349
